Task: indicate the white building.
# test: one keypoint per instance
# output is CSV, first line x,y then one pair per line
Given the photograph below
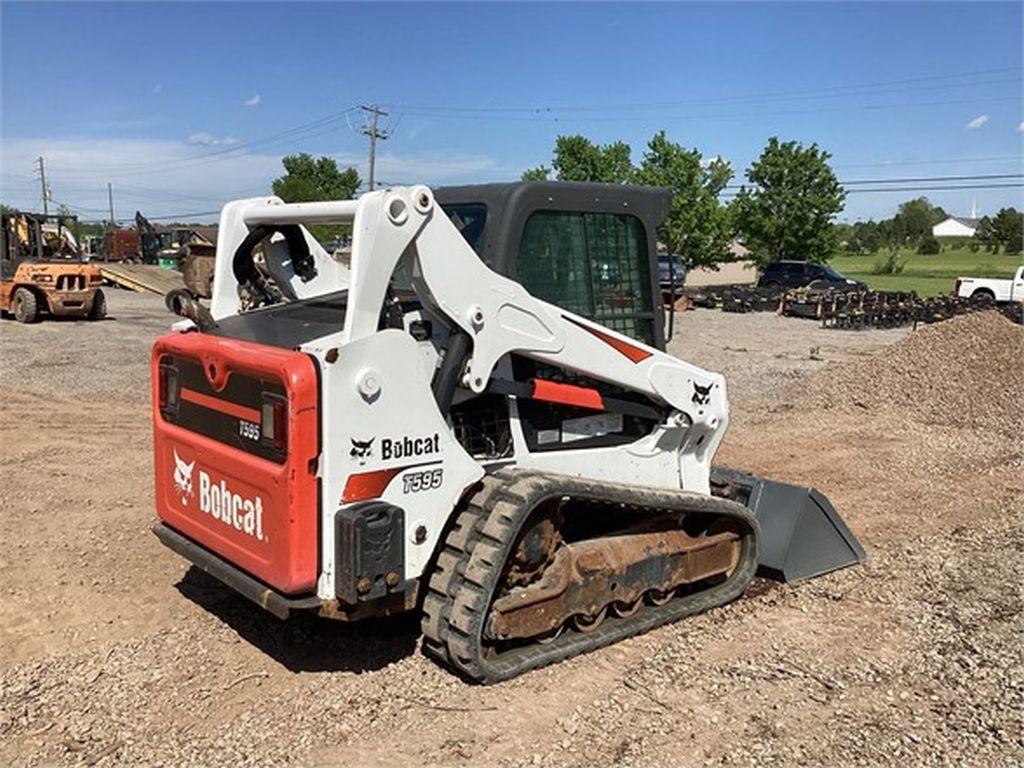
x,y
956,226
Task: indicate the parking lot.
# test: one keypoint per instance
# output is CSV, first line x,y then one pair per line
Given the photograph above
x,y
113,652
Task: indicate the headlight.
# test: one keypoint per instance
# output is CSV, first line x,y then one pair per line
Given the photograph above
x,y
43,278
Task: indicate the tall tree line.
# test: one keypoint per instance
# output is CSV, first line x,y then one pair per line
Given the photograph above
x,y
785,210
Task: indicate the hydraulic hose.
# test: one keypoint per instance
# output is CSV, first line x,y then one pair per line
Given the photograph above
x,y
446,377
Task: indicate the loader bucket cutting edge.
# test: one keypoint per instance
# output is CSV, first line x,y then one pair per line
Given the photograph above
x,y
802,534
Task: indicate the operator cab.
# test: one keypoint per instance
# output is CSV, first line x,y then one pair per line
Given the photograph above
x,y
588,248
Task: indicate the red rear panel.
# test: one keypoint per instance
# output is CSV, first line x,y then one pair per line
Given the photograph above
x,y
235,441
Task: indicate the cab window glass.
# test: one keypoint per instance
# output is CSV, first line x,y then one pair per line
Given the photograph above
x,y
593,264
553,263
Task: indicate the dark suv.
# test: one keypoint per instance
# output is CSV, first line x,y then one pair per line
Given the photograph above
x,y
796,274
667,265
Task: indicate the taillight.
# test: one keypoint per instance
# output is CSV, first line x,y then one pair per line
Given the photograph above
x,y
274,421
168,387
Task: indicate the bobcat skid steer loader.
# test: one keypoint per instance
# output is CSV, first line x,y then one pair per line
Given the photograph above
x,y
535,483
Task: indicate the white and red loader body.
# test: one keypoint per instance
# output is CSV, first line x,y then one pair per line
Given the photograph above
x,y
284,466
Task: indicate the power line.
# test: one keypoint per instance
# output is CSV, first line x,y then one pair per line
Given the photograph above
x,y
912,179
561,118
954,161
183,216
825,92
982,177
1016,185
305,131
918,188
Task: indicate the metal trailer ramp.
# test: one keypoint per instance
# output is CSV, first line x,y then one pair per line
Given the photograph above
x,y
802,534
142,277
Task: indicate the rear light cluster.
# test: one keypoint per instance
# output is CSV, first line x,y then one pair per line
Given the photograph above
x,y
274,421
253,418
168,387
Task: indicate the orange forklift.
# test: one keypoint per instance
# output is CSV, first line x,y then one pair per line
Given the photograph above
x,y
41,270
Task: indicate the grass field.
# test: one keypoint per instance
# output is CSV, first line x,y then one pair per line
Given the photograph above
x,y
928,275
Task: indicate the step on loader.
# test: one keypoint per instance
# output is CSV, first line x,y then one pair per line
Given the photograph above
x,y
470,415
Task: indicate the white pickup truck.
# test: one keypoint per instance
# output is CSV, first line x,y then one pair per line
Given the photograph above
x,y
993,289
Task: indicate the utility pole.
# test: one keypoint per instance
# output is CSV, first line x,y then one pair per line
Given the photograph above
x,y
110,200
374,133
42,184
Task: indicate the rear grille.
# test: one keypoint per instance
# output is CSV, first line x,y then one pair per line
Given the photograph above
x,y
241,415
71,282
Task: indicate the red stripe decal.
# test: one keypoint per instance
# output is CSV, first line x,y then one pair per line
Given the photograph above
x,y
634,353
223,406
567,394
368,485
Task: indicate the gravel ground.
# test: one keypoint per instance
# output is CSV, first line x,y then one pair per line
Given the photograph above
x,y
762,353
65,356
113,653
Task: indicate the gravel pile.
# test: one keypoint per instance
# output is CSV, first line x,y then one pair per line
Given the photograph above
x,y
968,372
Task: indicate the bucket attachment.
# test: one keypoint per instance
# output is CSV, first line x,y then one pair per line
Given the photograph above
x,y
802,535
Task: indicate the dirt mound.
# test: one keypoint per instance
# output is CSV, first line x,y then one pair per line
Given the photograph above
x,y
968,371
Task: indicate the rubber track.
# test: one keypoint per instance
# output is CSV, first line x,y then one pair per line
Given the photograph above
x,y
471,563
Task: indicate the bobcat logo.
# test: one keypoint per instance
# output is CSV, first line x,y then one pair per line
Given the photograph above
x,y
701,395
361,449
183,478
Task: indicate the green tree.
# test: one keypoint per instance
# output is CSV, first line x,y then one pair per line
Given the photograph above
x,y
540,173
577,158
929,245
1008,229
868,236
697,226
890,233
915,218
308,179
985,235
844,236
861,237
787,212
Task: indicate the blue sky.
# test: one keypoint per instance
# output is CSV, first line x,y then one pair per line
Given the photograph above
x,y
140,94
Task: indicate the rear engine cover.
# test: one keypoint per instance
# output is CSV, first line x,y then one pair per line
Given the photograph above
x,y
219,478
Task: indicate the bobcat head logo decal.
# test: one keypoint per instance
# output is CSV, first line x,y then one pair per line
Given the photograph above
x,y
183,478
361,449
701,395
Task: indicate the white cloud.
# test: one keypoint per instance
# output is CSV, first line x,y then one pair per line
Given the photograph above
x,y
707,161
160,177
255,101
1021,127
205,139
977,122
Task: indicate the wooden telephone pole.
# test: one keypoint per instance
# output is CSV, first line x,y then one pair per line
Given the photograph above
x,y
42,184
374,133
